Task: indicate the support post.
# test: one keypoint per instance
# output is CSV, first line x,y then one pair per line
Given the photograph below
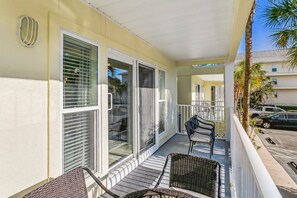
x,y
229,97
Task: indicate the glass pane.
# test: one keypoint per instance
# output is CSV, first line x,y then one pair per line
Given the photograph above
x,y
161,85
161,116
146,106
120,116
80,63
78,140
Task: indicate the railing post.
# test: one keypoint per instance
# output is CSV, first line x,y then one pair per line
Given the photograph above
x,y
179,121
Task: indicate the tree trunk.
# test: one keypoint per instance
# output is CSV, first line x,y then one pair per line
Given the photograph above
x,y
247,71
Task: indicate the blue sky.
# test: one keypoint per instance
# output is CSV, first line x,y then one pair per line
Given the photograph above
x,y
261,40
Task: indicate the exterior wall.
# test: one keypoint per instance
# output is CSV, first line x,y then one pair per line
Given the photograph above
x,y
184,85
197,81
286,88
30,131
284,97
207,89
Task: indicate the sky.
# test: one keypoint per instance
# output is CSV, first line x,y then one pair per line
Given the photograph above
x,y
261,35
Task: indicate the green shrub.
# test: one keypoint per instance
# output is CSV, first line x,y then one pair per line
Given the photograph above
x,y
287,108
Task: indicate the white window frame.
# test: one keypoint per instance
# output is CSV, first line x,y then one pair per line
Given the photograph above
x,y
122,57
96,108
163,133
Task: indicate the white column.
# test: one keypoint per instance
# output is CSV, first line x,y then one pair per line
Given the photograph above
x,y
229,97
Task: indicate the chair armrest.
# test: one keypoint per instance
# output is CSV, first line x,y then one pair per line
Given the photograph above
x,y
163,171
99,183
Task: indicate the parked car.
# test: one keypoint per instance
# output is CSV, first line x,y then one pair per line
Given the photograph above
x,y
278,120
264,110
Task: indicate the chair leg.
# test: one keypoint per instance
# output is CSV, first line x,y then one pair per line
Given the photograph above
x,y
189,147
192,146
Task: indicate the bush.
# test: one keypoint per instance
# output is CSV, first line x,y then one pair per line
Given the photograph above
x,y
287,108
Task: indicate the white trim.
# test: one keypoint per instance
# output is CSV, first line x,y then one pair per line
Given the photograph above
x,y
96,109
119,56
80,109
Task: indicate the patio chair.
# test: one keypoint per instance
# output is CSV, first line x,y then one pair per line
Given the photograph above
x,y
197,135
204,127
68,185
193,174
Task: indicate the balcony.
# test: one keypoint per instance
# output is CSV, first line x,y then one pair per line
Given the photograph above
x,y
147,173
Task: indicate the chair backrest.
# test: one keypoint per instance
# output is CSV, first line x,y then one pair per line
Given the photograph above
x,y
189,128
195,174
195,121
68,185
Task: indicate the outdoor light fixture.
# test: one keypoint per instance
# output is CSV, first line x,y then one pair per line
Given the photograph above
x,y
27,31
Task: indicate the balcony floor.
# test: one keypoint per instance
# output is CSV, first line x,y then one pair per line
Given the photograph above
x,y
147,173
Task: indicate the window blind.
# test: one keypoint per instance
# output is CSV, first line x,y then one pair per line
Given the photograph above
x,y
80,60
78,140
79,73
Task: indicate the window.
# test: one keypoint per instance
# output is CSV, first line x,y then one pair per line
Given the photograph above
x,y
80,103
274,68
197,92
162,102
292,117
269,109
281,116
274,81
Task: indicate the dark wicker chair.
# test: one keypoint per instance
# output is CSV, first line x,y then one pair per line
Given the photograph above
x,y
68,185
203,126
199,135
193,173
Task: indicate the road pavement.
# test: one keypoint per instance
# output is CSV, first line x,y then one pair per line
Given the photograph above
x,y
285,148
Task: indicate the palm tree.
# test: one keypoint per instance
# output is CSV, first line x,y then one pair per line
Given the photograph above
x,y
248,70
261,85
281,18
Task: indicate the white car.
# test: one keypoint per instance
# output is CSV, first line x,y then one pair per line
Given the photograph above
x,y
264,110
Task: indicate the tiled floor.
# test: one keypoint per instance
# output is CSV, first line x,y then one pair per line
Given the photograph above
x,y
146,174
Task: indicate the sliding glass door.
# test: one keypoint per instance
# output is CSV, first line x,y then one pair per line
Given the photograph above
x,y
146,84
120,133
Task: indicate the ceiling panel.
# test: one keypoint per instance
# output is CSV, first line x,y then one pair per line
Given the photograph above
x,y
182,29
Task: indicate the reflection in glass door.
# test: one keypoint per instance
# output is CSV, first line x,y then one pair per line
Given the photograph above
x,y
146,83
120,111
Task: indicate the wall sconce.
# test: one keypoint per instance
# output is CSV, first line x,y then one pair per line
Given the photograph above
x,y
28,31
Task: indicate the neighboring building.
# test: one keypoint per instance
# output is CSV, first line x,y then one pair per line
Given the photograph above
x,y
284,77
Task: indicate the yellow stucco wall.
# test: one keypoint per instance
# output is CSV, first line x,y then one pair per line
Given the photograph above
x,y
30,85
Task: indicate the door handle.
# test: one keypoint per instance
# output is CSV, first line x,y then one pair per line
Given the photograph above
x,y
110,94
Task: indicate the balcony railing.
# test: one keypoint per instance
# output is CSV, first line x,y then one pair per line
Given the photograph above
x,y
249,176
213,113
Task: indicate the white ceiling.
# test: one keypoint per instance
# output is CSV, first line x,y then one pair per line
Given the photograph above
x,y
213,77
182,29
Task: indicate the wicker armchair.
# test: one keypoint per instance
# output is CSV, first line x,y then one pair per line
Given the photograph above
x,y
199,135
68,185
193,174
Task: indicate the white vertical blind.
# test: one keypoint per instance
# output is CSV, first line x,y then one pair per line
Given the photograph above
x,y
80,60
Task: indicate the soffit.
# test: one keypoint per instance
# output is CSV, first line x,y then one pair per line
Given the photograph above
x,y
184,30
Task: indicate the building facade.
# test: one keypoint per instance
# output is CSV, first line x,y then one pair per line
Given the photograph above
x,y
282,75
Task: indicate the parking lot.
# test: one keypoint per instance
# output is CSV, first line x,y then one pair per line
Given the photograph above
x,y
285,148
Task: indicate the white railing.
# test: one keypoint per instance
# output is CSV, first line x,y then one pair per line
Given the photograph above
x,y
209,103
213,113
249,176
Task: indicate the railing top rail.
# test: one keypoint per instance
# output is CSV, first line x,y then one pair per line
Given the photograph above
x,y
186,105
263,178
